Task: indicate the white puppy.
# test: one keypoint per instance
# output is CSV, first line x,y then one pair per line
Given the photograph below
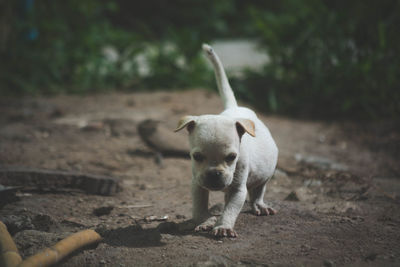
x,y
232,152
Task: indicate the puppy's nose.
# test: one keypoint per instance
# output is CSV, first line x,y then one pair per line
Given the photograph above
x,y
214,174
215,179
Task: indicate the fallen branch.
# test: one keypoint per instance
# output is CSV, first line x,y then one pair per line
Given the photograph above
x,y
9,256
56,253
163,140
54,180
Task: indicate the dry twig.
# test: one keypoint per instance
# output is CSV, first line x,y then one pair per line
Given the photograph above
x,y
54,254
9,256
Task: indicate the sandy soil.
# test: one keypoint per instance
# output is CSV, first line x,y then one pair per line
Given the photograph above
x,y
337,190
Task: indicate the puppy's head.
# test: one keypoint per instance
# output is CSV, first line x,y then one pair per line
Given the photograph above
x,y
214,147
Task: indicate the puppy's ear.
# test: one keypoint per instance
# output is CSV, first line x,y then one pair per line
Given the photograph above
x,y
186,121
245,126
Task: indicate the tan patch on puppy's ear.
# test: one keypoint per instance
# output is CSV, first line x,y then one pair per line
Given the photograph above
x,y
245,125
186,121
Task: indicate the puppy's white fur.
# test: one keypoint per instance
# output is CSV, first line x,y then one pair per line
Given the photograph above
x,y
231,152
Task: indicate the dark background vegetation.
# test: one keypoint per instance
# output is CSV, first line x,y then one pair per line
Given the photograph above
x,y
329,59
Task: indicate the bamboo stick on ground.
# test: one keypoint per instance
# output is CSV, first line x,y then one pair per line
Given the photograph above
x,y
54,254
9,256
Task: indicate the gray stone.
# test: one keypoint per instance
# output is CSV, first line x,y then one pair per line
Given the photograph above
x,y
329,263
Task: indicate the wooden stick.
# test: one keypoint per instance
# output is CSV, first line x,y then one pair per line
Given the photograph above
x,y
9,256
54,179
54,254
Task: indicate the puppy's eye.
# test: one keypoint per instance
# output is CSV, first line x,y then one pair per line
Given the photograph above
x,y
198,157
231,157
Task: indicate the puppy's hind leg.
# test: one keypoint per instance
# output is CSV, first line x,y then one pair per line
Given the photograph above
x,y
258,206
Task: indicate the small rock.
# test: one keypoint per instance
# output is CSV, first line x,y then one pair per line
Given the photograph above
x,y
180,216
300,194
93,126
292,196
328,263
155,218
103,211
164,218
312,183
150,218
142,187
371,257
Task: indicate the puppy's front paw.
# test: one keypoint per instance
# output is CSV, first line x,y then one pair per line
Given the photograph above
x,y
207,225
221,231
260,209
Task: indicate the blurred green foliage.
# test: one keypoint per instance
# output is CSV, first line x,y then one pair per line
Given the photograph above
x,y
329,58
336,59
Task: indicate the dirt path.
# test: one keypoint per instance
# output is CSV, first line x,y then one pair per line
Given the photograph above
x,y
337,190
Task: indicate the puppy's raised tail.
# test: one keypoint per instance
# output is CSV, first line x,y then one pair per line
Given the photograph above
x,y
224,88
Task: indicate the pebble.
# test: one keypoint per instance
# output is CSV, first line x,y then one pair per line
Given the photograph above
x,y
371,256
180,216
328,263
103,211
300,194
312,183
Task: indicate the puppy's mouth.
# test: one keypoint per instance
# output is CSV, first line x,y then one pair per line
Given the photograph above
x,y
213,184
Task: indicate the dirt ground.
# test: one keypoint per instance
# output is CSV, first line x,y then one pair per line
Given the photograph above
x,y
337,188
